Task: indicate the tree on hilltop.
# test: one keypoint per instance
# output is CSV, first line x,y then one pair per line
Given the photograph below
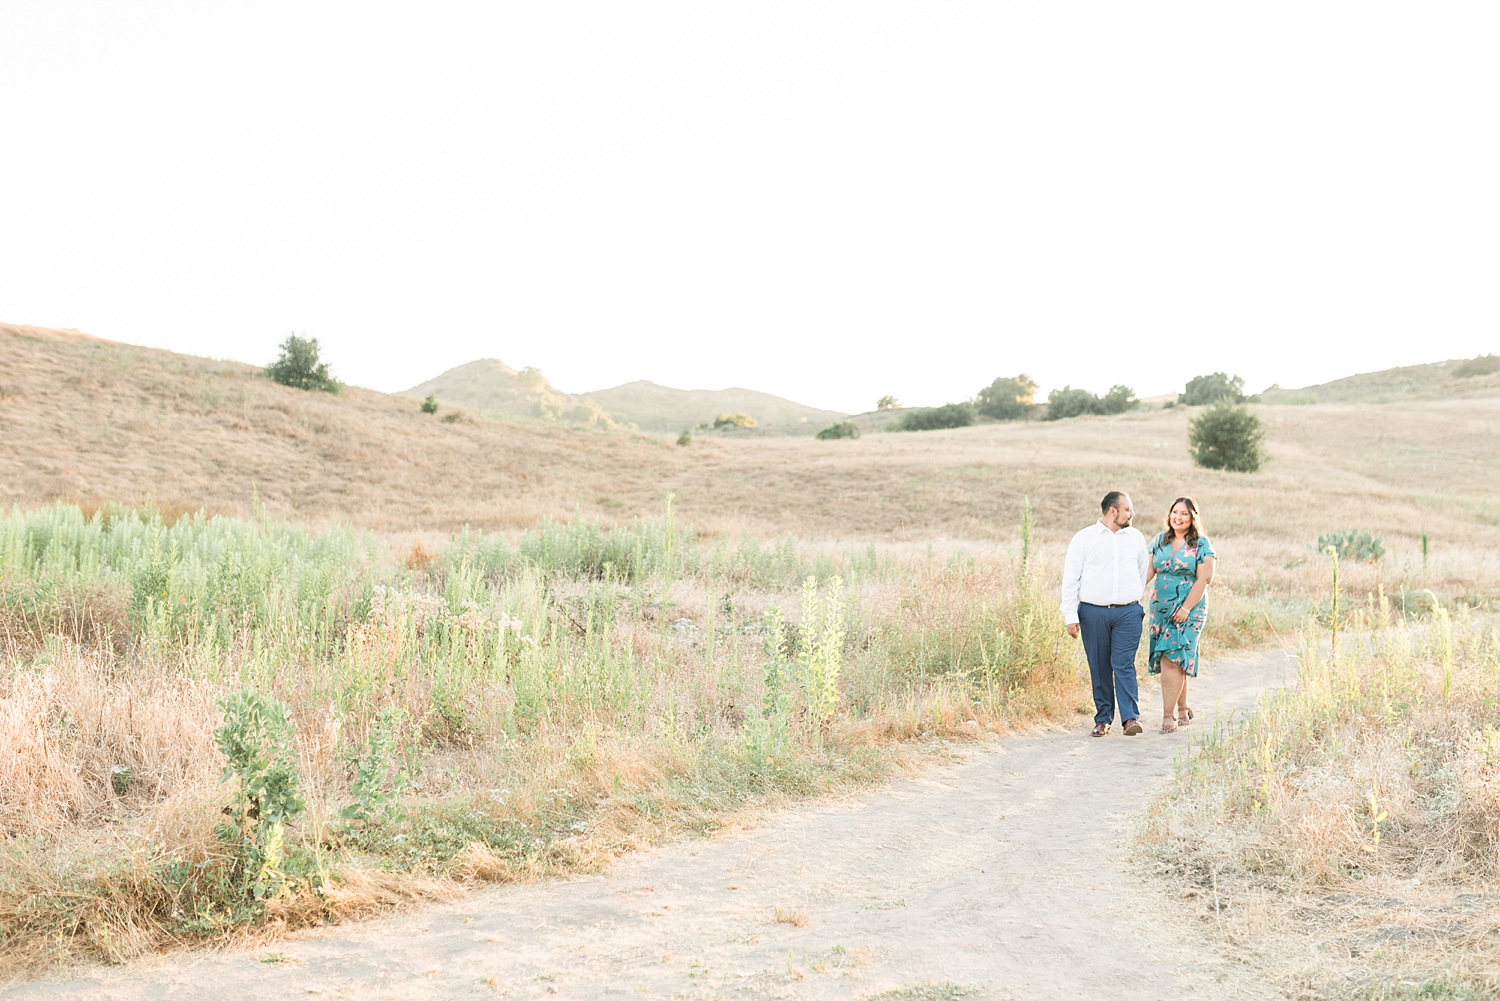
x,y
299,366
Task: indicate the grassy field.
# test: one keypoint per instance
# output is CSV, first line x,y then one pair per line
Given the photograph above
x,y
218,724
94,422
495,656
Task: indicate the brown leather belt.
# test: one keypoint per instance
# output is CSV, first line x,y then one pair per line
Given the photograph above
x,y
1123,604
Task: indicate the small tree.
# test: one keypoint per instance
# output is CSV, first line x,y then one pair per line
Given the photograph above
x,y
1203,390
1229,437
843,429
1007,398
430,405
300,368
888,402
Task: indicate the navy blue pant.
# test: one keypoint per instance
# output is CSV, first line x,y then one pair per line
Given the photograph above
x,y
1110,638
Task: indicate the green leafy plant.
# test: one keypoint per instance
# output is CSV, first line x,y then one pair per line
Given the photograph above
x,y
299,366
1203,390
378,775
821,647
256,741
686,438
768,738
1362,547
1227,437
843,429
887,402
949,415
1008,398
430,405
1483,365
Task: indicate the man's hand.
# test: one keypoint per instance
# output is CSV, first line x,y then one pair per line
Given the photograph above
x,y
1073,629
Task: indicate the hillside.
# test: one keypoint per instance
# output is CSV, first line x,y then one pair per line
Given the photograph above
x,y
493,386
1437,380
94,421
661,408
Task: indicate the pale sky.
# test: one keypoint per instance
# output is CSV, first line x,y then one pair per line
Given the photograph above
x,y
825,201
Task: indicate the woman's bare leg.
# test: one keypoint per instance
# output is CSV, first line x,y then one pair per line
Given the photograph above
x,y
1172,680
1182,702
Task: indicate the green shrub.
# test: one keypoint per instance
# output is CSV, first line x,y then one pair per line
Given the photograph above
x,y
1070,402
1229,437
887,402
299,367
256,740
738,419
843,429
1118,400
1007,398
378,775
1203,390
686,438
1483,365
1351,545
949,415
430,405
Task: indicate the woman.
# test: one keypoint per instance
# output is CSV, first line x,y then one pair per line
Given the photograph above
x,y
1182,564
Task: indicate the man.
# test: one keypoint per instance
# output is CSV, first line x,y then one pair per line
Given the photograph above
x,y
1103,580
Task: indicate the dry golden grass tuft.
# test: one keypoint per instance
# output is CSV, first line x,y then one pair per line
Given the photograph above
x,y
794,916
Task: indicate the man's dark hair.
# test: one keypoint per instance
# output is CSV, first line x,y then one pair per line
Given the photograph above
x,y
1111,499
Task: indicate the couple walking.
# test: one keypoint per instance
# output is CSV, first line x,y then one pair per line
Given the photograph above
x,y
1108,568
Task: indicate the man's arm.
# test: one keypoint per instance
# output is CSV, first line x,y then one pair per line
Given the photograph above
x,y
1143,562
1072,580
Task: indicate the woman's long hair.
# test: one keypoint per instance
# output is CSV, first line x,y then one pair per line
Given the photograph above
x,y
1194,529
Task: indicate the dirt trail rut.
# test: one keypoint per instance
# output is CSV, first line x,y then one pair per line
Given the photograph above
x,y
1007,872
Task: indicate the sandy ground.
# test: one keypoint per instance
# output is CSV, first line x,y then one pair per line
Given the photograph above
x,y
1007,871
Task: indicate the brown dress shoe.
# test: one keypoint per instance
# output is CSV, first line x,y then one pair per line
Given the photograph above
x,y
1132,727
1101,729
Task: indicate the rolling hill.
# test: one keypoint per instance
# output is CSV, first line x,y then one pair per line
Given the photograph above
x,y
493,386
661,408
1433,381
95,421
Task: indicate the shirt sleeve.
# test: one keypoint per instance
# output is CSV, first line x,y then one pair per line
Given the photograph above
x,y
1072,580
1143,561
1205,549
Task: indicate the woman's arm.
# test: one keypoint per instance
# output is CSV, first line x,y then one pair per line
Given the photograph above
x,y
1205,577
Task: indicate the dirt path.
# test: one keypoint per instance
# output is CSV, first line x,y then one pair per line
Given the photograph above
x,y
1007,872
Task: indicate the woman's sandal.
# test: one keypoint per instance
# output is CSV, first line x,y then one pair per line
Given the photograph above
x,y
1185,717
1168,725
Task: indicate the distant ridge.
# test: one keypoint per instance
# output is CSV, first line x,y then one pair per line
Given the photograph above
x,y
493,386
1435,380
662,408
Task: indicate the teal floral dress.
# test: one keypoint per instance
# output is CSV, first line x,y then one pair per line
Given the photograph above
x,y
1175,575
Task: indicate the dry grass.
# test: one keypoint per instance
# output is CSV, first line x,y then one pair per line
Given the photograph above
x,y
551,719
794,916
88,419
1347,835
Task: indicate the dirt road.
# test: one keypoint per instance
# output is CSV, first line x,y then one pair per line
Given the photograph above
x,y
1007,873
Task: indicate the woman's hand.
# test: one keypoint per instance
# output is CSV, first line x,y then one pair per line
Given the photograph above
x,y
1181,615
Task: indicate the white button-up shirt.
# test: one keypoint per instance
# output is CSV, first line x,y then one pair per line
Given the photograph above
x,y
1104,568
